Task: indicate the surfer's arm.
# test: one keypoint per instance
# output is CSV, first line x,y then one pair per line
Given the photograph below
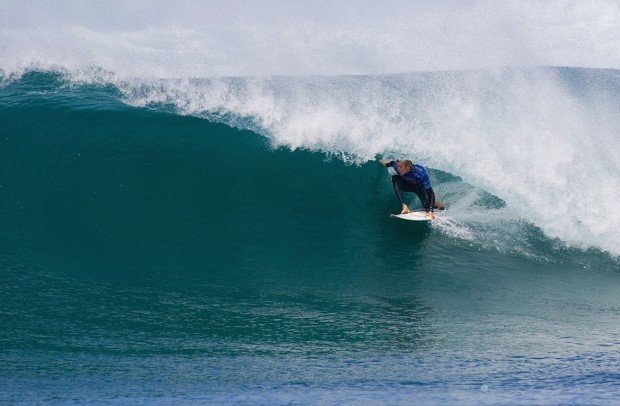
x,y
386,163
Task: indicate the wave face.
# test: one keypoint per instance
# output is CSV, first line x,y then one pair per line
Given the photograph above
x,y
153,230
543,141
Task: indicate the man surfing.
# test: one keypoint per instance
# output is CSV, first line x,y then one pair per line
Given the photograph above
x,y
413,178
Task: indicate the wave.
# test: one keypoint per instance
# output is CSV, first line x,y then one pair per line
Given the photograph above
x,y
514,151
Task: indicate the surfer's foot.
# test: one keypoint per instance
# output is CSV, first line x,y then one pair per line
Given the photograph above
x,y
430,215
405,209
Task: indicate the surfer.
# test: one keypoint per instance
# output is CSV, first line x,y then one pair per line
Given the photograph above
x,y
413,178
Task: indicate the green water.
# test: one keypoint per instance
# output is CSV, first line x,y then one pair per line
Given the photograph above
x,y
149,257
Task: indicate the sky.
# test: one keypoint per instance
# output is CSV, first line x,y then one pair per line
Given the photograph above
x,y
257,38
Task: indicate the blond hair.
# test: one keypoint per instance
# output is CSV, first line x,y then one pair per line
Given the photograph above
x,y
406,162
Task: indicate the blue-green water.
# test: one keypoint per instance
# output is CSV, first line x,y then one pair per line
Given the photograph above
x,y
148,256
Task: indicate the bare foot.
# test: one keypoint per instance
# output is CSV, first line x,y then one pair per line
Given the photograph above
x,y
405,209
430,215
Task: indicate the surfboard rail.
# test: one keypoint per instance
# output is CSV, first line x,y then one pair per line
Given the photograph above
x,y
414,215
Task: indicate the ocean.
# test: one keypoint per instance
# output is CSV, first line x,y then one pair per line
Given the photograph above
x,y
228,240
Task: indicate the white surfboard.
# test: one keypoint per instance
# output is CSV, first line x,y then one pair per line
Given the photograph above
x,y
416,215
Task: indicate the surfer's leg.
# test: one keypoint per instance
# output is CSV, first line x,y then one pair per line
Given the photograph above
x,y
399,187
421,195
429,204
427,198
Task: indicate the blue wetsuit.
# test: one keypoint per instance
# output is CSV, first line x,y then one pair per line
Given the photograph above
x,y
416,181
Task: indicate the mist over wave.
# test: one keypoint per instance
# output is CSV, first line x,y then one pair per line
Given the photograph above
x,y
241,38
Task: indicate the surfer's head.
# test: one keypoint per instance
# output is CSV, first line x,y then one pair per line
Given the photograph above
x,y
402,167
